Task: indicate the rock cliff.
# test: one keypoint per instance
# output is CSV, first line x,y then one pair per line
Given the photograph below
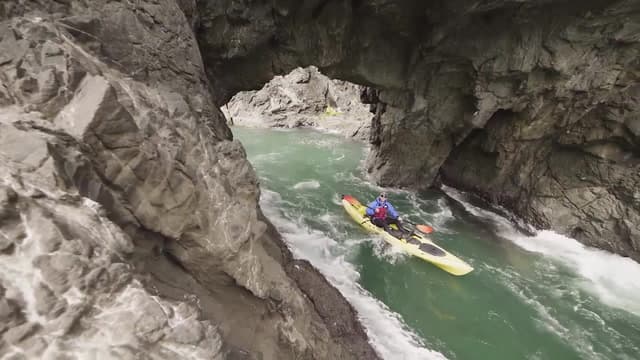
x,y
532,104
129,219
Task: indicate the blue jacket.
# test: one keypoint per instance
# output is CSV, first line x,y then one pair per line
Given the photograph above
x,y
391,212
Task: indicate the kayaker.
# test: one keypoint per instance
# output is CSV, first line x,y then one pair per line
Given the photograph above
x,y
383,214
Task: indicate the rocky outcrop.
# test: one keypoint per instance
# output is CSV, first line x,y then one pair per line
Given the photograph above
x,y
303,98
129,217
66,289
532,104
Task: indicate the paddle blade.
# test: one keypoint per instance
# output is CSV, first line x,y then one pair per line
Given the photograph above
x,y
425,228
351,200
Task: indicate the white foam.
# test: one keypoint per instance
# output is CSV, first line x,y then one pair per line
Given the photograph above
x,y
575,335
305,185
502,225
612,278
443,216
579,340
388,252
386,330
437,219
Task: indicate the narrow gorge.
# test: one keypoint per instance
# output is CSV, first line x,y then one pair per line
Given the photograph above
x,y
130,220
531,104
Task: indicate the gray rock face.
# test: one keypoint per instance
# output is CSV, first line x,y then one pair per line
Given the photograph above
x,y
303,98
45,305
532,104
115,164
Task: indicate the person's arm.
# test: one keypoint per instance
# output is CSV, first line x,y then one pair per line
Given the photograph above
x,y
370,207
392,211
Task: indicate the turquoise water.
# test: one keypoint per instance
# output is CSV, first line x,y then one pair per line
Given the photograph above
x,y
540,297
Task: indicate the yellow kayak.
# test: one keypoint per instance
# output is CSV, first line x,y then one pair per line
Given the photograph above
x,y
415,244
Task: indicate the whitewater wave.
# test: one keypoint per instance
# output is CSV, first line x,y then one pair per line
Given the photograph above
x,y
386,330
578,335
612,278
436,214
388,252
443,216
305,185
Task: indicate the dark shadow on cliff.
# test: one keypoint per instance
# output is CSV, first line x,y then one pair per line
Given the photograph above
x,y
531,75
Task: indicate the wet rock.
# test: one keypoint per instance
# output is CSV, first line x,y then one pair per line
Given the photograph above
x,y
330,304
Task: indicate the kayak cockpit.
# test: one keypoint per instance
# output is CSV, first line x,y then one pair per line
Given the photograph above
x,y
432,249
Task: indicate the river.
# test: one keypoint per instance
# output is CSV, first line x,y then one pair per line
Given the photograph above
x,y
529,297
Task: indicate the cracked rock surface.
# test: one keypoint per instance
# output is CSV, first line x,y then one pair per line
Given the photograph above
x,y
129,217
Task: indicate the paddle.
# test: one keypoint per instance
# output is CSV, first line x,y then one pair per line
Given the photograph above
x,y
351,200
426,229
423,228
